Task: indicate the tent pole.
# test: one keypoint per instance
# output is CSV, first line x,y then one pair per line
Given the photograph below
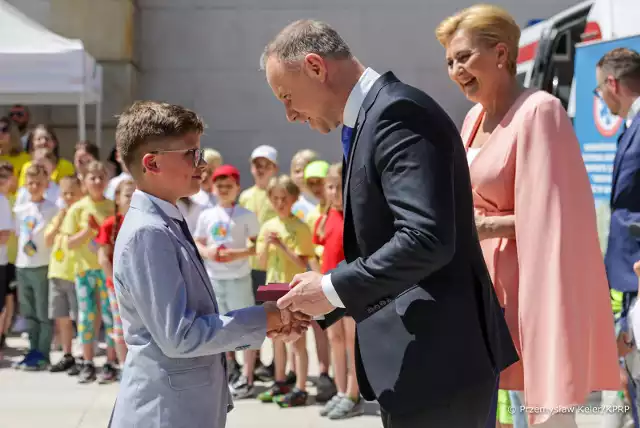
x,y
99,123
82,123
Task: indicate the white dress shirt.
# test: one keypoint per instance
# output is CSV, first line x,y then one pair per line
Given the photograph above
x,y
349,118
633,111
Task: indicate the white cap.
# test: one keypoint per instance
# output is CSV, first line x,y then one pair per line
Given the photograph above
x,y
266,152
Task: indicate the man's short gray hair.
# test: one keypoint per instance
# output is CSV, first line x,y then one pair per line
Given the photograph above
x,y
624,65
304,37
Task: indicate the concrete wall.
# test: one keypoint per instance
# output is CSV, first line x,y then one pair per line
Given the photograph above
x,y
205,54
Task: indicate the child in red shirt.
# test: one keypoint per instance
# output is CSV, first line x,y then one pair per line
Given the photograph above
x,y
328,232
107,239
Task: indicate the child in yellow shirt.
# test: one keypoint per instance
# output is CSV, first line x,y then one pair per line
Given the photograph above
x,y
81,226
284,246
63,301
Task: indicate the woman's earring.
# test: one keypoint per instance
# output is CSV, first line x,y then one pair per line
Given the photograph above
x,y
499,65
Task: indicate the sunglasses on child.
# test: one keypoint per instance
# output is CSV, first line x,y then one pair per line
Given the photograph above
x,y
198,154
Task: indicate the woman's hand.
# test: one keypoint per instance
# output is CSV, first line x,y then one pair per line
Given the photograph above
x,y
495,226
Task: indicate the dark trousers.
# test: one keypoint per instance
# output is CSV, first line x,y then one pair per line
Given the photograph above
x,y
469,408
34,306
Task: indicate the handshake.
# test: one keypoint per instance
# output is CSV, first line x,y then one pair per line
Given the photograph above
x,y
284,324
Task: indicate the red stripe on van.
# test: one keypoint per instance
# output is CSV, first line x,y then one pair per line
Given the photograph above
x,y
527,52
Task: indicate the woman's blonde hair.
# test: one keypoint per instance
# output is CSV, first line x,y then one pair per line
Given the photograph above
x,y
15,143
285,183
489,24
305,156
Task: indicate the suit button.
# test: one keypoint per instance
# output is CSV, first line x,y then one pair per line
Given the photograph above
x,y
383,302
370,310
376,307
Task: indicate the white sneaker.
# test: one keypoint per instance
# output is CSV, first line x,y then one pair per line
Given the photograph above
x,y
329,405
347,408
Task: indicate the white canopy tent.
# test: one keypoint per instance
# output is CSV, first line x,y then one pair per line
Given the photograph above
x,y
39,67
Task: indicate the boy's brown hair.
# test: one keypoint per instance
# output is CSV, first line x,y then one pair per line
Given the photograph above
x,y
147,122
283,182
36,169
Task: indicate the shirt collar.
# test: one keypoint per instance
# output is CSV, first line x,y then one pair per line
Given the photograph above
x,y
633,111
357,96
168,208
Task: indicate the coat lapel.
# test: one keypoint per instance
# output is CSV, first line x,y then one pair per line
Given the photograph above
x,y
144,203
368,102
624,142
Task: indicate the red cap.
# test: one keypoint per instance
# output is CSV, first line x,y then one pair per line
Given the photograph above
x,y
226,171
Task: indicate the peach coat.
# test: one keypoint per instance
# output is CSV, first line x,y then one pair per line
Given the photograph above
x,y
551,279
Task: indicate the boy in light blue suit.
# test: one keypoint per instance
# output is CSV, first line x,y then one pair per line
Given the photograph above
x,y
175,373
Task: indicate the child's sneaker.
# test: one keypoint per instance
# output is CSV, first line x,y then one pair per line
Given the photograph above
x,y
293,398
347,408
37,363
75,369
276,390
27,358
64,364
108,374
87,373
242,389
329,405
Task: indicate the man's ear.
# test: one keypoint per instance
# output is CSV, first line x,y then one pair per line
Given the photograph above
x,y
149,163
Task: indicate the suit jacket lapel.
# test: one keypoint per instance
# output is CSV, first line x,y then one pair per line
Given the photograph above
x,y
624,143
145,204
373,93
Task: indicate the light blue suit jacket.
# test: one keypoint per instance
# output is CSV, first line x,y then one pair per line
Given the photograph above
x,y
175,373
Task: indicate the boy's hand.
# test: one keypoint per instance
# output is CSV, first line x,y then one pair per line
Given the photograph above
x,y
225,255
273,238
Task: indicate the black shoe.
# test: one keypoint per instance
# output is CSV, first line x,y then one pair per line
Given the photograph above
x,y
76,368
291,379
326,388
234,371
264,373
64,364
87,373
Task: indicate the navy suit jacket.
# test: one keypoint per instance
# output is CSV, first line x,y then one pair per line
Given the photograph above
x,y
623,249
429,324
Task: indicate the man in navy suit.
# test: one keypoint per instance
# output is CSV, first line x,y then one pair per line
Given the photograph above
x,y
618,78
414,279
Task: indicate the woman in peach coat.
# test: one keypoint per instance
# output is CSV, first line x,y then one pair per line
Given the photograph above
x,y
536,220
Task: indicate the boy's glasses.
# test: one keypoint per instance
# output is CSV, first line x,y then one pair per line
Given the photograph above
x,y
198,154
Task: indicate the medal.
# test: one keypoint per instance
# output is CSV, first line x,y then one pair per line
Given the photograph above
x,y
30,248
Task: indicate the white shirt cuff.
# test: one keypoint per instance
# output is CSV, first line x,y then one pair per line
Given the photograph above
x,y
330,292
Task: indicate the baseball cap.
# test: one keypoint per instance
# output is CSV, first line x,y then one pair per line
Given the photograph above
x,y
226,171
316,169
266,152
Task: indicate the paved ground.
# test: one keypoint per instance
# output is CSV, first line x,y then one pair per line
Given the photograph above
x,y
44,400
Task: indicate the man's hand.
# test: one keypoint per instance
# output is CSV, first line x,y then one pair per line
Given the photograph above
x,y
306,295
284,324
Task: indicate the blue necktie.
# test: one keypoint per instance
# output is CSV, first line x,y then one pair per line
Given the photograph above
x,y
347,132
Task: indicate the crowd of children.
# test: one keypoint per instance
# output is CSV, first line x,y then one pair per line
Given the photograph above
x,y
57,234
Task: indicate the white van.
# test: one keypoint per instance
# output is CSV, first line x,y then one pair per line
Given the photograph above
x,y
547,48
